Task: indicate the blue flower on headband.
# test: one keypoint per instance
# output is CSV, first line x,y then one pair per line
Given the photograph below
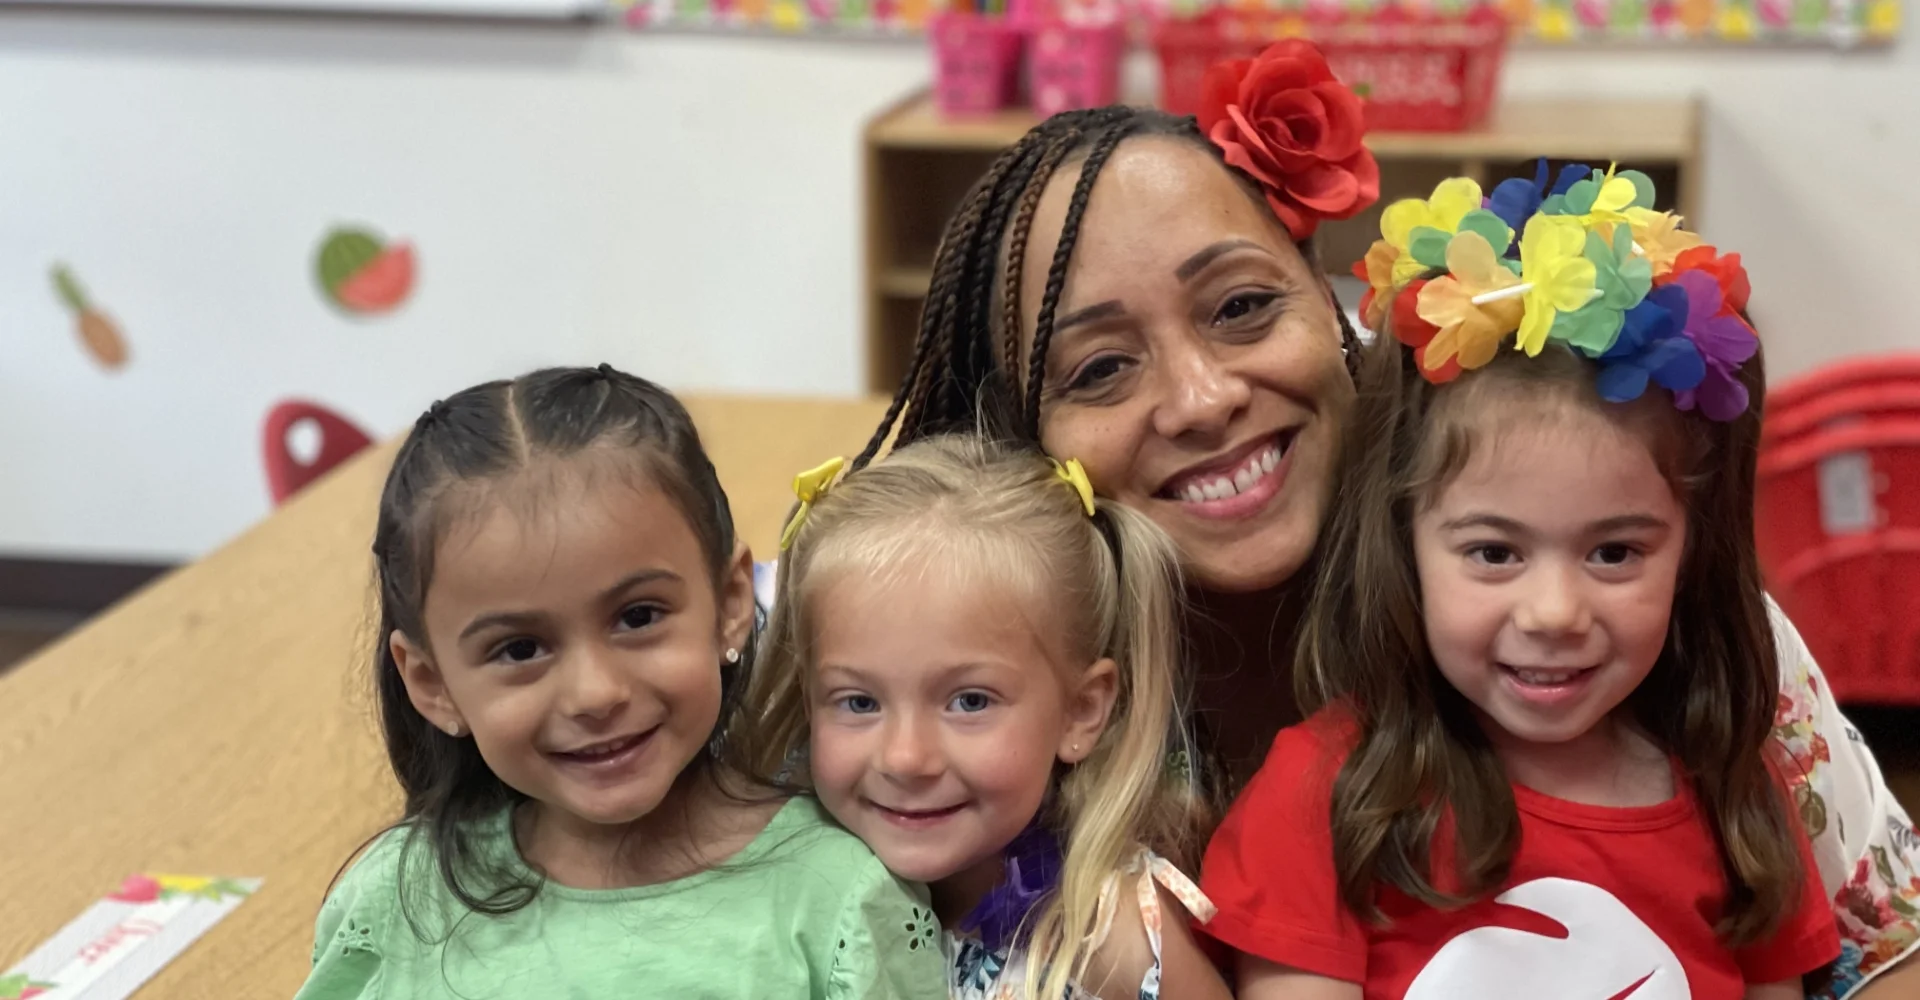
x,y
1515,199
1652,347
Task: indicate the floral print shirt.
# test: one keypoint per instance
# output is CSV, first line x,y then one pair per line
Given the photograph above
x,y
1863,841
976,972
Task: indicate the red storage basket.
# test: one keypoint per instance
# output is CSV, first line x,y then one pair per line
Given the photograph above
x,y
1420,72
1837,524
1871,369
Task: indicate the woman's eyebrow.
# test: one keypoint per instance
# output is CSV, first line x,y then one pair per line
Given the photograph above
x,y
1198,262
1091,314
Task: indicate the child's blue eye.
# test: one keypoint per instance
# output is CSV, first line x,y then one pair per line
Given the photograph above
x,y
860,704
971,701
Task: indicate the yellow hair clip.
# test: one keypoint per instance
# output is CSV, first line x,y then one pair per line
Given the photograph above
x,y
809,486
1074,474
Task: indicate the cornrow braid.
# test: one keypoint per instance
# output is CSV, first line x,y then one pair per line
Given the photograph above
x,y
958,370
937,316
1017,250
1103,147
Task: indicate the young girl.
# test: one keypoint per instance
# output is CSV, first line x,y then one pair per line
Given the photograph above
x,y
565,621
973,663
1542,767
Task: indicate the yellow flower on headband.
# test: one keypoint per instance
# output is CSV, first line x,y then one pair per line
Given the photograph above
x,y
1553,261
1452,199
1603,199
809,486
1074,474
1658,236
1470,332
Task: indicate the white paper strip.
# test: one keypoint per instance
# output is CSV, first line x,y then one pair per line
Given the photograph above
x,y
118,944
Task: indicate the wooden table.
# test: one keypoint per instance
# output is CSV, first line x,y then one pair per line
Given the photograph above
x,y
220,722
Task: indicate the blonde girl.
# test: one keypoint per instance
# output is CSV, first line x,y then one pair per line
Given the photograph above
x,y
974,664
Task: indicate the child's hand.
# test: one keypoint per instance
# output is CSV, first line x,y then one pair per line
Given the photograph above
x,y
1260,979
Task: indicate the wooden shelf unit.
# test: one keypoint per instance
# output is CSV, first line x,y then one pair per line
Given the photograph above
x,y
918,165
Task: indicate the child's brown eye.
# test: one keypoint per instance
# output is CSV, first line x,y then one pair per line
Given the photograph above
x,y
519,650
1613,553
640,616
1493,555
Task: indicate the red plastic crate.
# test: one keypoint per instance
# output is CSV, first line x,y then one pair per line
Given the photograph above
x,y
1837,524
1420,72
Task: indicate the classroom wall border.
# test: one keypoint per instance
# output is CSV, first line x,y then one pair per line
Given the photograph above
x,y
70,586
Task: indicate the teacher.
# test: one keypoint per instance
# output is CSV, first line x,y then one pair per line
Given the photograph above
x,y
1141,292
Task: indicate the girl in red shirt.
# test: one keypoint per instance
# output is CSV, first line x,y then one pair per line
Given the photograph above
x,y
1544,665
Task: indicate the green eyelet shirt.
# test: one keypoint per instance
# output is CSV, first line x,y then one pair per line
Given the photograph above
x,y
805,910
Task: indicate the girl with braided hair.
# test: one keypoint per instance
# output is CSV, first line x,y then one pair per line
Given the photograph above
x,y
1141,292
565,629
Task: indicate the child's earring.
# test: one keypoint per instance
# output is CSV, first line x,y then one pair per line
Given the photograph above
x,y
733,656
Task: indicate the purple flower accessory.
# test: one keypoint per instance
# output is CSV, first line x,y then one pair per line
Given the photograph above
x,y
1033,862
1724,341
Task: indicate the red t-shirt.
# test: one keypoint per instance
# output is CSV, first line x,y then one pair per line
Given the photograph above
x,y
1601,903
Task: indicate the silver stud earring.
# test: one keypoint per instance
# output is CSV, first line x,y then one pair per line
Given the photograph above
x,y
733,656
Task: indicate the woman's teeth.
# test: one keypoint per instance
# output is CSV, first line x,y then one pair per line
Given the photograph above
x,y
1221,487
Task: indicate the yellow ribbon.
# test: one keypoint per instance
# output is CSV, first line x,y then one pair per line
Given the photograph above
x,y
1074,474
809,486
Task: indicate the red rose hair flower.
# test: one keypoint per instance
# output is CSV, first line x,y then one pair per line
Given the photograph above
x,y
1284,120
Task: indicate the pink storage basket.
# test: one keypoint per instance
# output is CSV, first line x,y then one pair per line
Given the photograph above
x,y
1074,65
976,62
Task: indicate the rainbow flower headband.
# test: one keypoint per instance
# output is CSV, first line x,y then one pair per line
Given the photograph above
x,y
1586,262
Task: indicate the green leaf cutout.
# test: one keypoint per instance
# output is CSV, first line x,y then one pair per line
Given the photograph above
x,y
70,292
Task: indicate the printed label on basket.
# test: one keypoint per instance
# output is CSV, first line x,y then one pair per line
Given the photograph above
x,y
109,951
1847,494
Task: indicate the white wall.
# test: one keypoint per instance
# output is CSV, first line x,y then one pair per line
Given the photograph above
x,y
683,206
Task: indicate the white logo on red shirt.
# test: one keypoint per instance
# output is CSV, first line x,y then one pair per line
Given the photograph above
x,y
1608,953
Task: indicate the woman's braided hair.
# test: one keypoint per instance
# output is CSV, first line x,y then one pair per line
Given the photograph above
x,y
954,372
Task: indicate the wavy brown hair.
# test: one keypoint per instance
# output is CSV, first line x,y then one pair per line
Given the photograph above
x,y
1421,756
